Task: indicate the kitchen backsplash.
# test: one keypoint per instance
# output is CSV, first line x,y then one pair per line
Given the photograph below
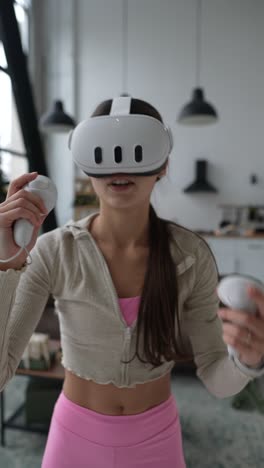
x,y
242,215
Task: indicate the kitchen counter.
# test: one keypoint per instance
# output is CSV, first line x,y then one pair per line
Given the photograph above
x,y
230,236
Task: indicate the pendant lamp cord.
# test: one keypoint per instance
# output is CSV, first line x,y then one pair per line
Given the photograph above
x,y
58,47
198,41
125,44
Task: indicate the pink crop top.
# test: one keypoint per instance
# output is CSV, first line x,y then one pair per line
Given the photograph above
x,y
129,308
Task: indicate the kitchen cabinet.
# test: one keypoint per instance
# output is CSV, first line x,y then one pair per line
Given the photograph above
x,y
224,252
238,255
250,257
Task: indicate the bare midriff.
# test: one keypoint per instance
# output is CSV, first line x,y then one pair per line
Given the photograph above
x,y
112,400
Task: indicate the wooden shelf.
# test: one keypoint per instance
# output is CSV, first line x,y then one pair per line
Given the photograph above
x,y
84,188
56,371
83,210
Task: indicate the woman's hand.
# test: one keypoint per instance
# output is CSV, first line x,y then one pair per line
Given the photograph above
x,y
19,204
236,334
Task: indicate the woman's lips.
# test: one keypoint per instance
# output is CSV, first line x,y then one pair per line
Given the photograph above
x,y
121,188
120,177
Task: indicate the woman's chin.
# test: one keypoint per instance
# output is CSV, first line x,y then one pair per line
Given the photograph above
x,y
119,203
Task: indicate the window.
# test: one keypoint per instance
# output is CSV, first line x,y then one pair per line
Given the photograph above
x,y
10,131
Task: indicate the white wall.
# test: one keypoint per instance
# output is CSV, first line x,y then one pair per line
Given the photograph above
x,y
161,70
52,71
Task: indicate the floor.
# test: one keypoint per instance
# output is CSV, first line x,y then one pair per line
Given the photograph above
x,y
215,435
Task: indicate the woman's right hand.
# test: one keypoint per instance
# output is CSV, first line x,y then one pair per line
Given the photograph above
x,y
19,203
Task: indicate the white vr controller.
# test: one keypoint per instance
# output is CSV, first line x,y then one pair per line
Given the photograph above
x,y
46,190
232,291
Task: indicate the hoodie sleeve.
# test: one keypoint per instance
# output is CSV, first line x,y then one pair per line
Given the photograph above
x,y
24,294
219,373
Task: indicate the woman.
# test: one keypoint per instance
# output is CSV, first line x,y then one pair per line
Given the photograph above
x,y
164,278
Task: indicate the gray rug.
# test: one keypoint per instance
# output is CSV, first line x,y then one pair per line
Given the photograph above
x,y
215,435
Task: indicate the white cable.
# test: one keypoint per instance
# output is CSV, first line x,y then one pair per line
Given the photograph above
x,y
18,253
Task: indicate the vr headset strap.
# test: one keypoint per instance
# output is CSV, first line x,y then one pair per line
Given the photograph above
x,y
121,106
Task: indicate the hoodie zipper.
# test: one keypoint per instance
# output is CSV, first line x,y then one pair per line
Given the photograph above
x,y
125,354
127,331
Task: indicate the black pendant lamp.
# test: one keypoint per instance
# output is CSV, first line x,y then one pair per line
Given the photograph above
x,y
198,111
56,121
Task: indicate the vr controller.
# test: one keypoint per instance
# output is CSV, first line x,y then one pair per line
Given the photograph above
x,y
46,190
232,291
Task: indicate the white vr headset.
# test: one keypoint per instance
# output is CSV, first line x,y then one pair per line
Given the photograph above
x,y
120,142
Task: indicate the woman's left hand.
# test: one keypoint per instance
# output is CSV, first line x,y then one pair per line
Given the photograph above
x,y
236,334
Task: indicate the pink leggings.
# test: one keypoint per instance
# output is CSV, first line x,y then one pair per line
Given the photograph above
x,y
81,438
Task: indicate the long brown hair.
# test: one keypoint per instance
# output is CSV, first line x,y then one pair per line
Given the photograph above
x,y
159,299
